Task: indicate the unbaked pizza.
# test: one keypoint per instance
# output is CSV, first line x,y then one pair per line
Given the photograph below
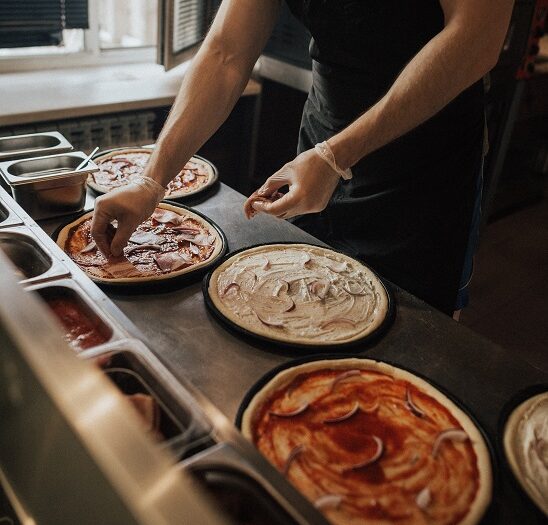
x,y
526,447
171,242
299,294
118,167
369,443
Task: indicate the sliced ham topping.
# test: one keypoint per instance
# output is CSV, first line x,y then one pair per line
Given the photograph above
x,y
153,247
189,176
141,237
188,230
120,267
171,261
203,239
167,216
194,249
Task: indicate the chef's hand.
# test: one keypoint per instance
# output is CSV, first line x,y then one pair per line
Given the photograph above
x,y
311,183
129,205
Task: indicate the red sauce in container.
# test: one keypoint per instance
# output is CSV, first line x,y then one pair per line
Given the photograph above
x,y
82,329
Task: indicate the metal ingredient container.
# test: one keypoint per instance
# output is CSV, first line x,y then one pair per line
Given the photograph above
x,y
83,324
7,216
49,186
31,261
33,144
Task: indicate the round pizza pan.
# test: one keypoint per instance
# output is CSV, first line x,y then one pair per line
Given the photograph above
x,y
196,196
167,284
490,514
519,398
276,345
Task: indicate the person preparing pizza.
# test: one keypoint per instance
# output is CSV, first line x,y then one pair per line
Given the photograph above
x,y
391,140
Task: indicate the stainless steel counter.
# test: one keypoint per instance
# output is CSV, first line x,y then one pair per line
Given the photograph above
x,y
223,367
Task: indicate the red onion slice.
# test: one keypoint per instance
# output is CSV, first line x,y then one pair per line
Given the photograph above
x,y
306,259
296,451
230,286
361,292
451,434
281,284
269,322
292,413
266,263
319,287
337,266
423,499
343,376
373,458
338,320
343,417
328,501
411,406
153,247
89,247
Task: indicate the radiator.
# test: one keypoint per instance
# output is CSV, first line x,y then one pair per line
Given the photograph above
x,y
105,131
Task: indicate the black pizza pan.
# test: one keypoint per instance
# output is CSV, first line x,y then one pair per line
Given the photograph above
x,y
516,400
165,285
273,344
201,195
490,515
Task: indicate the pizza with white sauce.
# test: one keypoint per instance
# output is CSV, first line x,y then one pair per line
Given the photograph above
x,y
118,167
526,447
299,294
368,443
173,241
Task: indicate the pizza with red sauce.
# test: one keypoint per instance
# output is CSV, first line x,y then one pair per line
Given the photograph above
x,y
118,167
369,443
171,242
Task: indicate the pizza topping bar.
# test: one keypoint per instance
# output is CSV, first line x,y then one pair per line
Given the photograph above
x,y
118,169
151,251
359,464
289,293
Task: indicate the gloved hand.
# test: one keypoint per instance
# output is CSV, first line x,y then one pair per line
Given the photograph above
x,y
311,183
129,205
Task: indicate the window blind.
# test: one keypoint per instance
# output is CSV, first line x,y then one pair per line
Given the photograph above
x,y
25,23
191,21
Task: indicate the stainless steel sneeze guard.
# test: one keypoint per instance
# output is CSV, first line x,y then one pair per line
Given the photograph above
x,y
33,144
67,431
33,262
49,186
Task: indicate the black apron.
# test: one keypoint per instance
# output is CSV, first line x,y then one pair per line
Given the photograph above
x,y
407,210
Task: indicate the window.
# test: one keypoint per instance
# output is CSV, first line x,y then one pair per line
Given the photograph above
x,y
72,33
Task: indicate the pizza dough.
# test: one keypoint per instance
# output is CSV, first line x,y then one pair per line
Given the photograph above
x,y
526,447
117,167
299,293
369,443
172,242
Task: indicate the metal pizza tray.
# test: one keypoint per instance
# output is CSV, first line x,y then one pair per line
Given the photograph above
x,y
193,198
275,345
165,285
490,515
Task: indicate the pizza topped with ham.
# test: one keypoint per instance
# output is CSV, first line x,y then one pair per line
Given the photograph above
x,y
369,443
118,167
299,294
171,242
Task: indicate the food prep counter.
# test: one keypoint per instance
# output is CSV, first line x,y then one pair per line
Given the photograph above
x,y
221,366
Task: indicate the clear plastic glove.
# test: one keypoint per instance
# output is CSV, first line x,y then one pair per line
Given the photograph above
x,y
311,183
129,205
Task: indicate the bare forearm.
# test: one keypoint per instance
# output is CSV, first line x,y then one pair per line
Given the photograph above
x,y
447,65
